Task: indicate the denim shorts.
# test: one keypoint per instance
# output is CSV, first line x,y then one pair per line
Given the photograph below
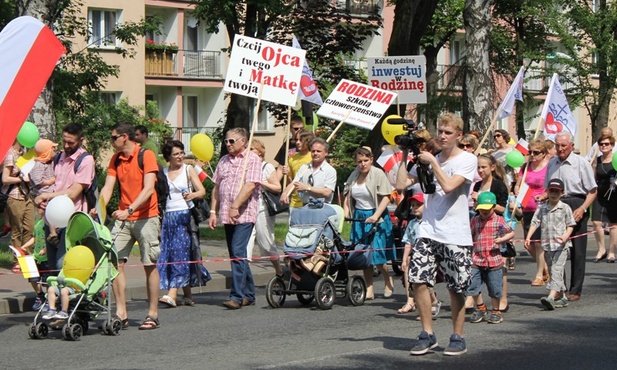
x,y
493,278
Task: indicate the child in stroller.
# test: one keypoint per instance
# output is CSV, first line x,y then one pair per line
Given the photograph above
x,y
91,287
320,260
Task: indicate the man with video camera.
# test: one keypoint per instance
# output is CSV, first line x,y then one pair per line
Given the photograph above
x,y
444,236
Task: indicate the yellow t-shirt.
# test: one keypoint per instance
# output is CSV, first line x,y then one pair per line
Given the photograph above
x,y
295,162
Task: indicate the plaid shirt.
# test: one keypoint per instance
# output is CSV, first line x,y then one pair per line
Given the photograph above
x,y
227,176
10,161
484,232
554,222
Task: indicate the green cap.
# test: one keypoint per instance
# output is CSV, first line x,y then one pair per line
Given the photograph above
x,y
486,200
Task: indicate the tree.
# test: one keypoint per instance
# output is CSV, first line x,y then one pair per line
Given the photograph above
x,y
478,86
590,60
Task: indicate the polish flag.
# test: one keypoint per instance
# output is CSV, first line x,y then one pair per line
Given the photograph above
x,y
29,52
200,172
522,146
524,195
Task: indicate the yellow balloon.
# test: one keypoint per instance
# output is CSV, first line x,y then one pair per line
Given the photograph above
x,y
78,263
202,147
389,131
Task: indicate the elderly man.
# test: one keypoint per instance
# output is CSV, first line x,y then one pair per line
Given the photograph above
x,y
316,179
238,204
579,193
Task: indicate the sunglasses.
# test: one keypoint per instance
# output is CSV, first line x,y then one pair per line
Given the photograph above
x,y
230,141
496,135
535,152
604,144
465,146
114,137
310,180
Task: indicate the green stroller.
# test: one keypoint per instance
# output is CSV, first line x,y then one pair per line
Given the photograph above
x,y
93,297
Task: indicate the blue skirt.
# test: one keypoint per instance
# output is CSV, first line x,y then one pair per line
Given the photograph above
x,y
177,252
383,240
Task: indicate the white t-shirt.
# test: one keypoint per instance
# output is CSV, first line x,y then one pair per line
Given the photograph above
x,y
446,216
363,198
266,170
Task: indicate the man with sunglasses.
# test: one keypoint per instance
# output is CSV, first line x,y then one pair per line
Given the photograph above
x,y
137,217
580,190
317,179
68,182
237,204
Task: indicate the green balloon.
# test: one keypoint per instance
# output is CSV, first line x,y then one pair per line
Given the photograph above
x,y
615,161
515,159
28,135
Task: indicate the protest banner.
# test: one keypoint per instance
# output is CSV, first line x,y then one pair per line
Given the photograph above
x,y
357,104
275,67
402,74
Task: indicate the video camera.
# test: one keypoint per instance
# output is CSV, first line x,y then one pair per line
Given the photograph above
x,y
411,142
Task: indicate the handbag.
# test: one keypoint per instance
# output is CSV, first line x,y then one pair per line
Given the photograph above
x,y
200,210
507,249
273,203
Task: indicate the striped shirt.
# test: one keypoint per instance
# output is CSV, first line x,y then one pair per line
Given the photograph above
x,y
227,176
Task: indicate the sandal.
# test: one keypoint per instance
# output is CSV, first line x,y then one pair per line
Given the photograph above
x,y
168,301
435,308
150,323
184,301
512,263
407,308
125,324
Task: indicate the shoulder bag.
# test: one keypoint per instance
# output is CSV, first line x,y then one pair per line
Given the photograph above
x,y
273,201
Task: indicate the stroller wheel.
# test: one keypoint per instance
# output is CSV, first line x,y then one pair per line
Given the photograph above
x,y
305,299
274,292
38,331
356,290
325,292
72,331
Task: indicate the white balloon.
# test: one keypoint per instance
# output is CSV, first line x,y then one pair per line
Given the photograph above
x,y
59,210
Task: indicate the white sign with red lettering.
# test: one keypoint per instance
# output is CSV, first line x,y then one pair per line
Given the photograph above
x,y
403,74
364,104
254,63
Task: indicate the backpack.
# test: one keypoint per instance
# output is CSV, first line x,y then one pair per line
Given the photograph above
x,y
160,186
91,192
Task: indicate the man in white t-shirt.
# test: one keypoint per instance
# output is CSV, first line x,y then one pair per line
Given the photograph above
x,y
443,237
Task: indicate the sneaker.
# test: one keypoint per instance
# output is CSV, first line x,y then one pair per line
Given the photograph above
x,y
456,347
548,303
38,303
495,318
478,316
49,315
424,343
561,302
62,315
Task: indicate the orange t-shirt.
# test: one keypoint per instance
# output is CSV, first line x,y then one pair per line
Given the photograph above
x,y
131,180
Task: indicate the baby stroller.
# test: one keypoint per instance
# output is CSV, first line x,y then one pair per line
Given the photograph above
x,y
319,261
92,300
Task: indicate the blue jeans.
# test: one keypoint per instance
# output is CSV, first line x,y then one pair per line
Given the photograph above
x,y
242,284
55,253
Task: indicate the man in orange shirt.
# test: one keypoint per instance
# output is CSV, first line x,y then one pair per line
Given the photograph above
x,y
137,217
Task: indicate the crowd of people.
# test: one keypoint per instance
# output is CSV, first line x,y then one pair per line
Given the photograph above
x,y
455,234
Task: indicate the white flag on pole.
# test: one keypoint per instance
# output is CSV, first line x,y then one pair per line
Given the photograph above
x,y
515,92
556,112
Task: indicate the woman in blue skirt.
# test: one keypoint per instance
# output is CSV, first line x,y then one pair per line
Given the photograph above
x,y
176,265
367,195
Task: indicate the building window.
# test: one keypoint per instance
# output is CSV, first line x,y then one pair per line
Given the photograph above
x,y
191,111
263,121
109,98
102,24
358,7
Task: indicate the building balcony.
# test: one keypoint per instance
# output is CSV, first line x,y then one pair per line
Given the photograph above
x,y
191,64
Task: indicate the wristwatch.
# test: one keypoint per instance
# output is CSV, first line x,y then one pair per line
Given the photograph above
x,y
130,210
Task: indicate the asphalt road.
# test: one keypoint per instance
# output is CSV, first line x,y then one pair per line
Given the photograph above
x,y
372,336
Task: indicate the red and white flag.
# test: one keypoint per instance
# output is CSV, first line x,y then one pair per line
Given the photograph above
x,y
524,195
201,173
556,112
515,92
522,146
308,87
29,52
